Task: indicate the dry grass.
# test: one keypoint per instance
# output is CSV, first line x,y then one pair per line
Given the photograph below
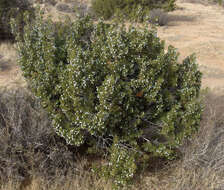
x,y
8,50
28,143
10,74
60,9
7,55
202,167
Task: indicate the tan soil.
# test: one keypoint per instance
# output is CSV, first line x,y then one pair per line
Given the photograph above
x,y
12,78
199,29
194,28
10,74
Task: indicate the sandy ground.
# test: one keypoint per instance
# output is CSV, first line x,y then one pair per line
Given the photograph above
x,y
10,74
198,28
193,28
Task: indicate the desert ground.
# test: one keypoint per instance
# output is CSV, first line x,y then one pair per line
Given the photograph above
x,y
199,28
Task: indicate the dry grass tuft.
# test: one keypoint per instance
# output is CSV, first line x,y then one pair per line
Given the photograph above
x,y
202,167
8,55
28,143
7,49
10,74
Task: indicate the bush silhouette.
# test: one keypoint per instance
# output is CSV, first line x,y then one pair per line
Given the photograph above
x,y
101,82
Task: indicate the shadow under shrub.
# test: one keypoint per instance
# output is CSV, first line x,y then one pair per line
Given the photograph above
x,y
101,82
28,144
136,10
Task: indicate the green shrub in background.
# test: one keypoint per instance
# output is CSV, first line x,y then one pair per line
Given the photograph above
x,y
12,9
136,10
220,2
100,81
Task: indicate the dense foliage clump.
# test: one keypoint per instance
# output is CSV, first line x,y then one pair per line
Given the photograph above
x,y
12,9
108,86
136,10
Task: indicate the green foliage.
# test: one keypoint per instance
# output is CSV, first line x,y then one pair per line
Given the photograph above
x,y
136,10
103,84
121,167
12,9
220,2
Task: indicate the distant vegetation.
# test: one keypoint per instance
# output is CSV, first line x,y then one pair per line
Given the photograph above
x,y
135,10
220,2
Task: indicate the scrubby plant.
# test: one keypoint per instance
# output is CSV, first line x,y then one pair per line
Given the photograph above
x,y
136,10
12,9
101,81
220,2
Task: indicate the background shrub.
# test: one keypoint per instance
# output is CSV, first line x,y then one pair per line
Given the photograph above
x,y
220,2
133,9
100,81
12,9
